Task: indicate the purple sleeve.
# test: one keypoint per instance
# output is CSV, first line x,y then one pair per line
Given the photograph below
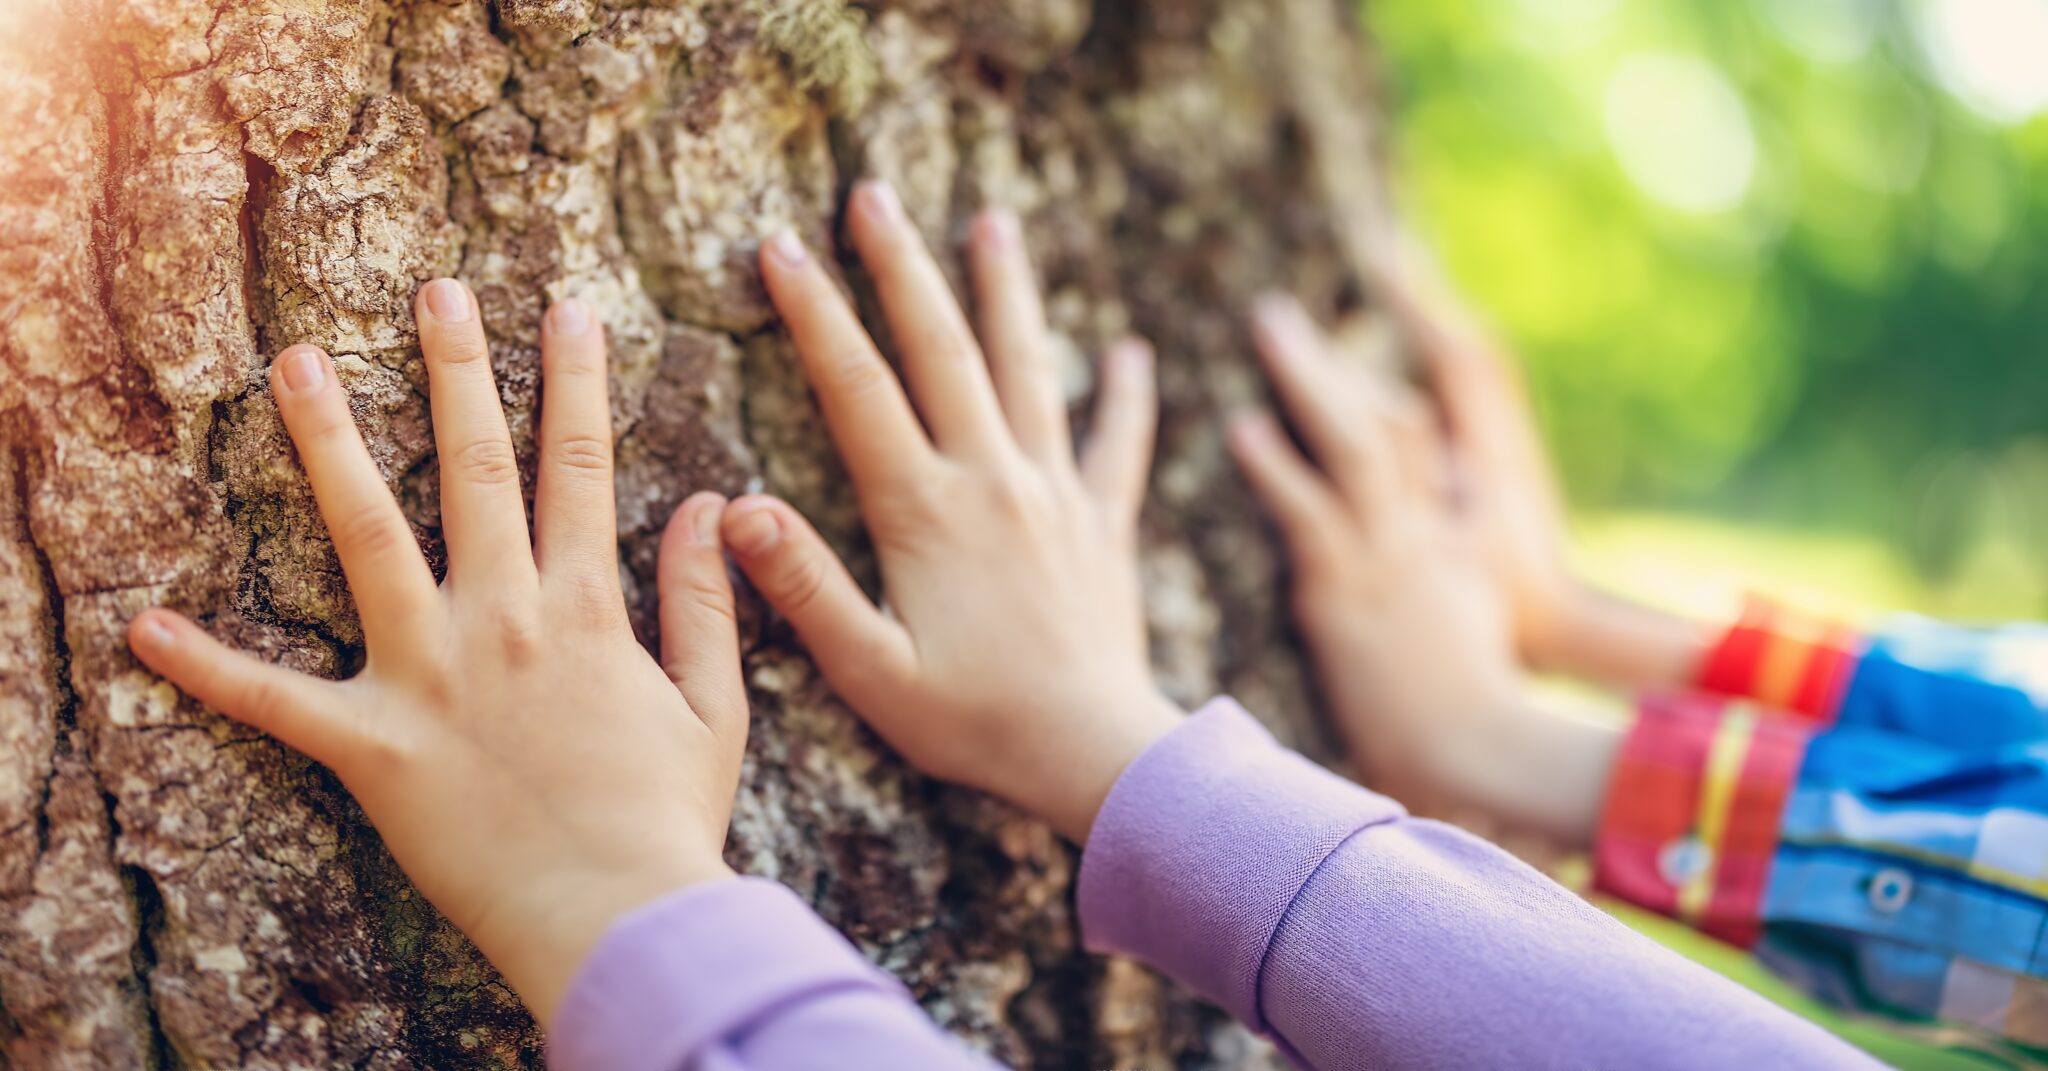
x,y
1327,919
740,975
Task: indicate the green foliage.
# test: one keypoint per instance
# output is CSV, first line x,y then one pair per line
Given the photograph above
x,y
1856,339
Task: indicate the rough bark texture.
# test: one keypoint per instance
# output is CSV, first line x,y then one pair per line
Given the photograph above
x,y
189,186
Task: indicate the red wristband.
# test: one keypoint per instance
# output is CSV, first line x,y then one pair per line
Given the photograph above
x,y
1784,662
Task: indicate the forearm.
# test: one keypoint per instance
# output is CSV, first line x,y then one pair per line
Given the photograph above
x,y
739,974
1323,916
1542,769
1622,644
1535,762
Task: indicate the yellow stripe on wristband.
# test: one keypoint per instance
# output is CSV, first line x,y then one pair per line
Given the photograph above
x,y
1726,755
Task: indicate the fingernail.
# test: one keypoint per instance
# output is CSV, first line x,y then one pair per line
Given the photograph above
x,y
755,532
1284,328
709,511
569,317
786,247
1274,303
882,200
999,227
152,633
446,301
299,369
1252,429
1133,358
1266,319
1275,310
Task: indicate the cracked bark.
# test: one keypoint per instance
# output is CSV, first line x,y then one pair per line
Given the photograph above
x,y
192,185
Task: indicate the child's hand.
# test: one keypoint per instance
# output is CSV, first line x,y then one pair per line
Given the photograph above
x,y
534,771
1508,489
1012,657
1510,497
1410,635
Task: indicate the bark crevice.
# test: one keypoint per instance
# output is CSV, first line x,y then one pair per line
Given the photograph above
x,y
66,709
149,915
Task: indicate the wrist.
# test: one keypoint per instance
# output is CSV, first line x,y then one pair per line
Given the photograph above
x,y
1553,625
1621,643
539,947
1070,792
1544,767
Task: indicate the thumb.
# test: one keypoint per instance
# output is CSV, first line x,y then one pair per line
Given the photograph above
x,y
700,643
304,712
789,563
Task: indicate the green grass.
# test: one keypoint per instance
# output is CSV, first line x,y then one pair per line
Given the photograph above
x,y
1702,566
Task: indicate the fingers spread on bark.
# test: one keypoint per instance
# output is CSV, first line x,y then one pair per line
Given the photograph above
x,y
575,528
1312,519
394,591
790,564
941,359
870,419
1321,401
1119,454
1478,388
699,637
1417,447
483,514
1013,332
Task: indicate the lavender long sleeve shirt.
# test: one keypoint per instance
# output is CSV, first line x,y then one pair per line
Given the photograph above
x,y
1315,911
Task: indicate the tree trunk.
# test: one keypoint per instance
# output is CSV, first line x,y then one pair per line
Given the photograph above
x,y
188,188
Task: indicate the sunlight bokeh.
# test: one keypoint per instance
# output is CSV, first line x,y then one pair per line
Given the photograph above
x,y
1680,131
1775,264
1993,54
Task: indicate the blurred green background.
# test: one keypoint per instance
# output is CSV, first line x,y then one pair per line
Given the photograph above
x,y
1779,263
1777,271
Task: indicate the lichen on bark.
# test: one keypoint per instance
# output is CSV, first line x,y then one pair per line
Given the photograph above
x,y
193,184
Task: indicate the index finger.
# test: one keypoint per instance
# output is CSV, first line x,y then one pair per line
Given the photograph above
x,y
866,411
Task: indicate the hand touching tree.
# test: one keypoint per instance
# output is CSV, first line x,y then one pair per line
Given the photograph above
x,y
1012,654
1411,631
1507,488
534,771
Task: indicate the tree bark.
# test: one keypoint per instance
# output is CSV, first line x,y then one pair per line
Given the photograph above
x,y
190,186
